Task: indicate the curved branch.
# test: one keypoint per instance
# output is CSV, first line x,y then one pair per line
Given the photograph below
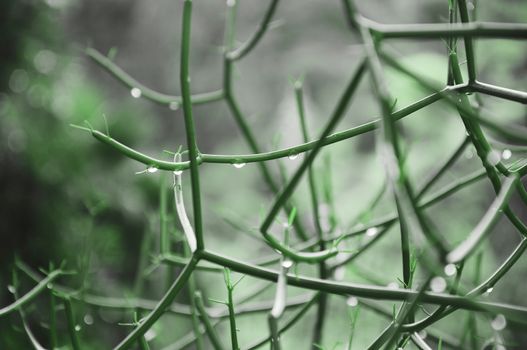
x,y
150,94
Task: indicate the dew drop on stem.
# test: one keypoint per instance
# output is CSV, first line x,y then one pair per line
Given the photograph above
x,y
77,328
450,270
352,301
286,264
11,289
178,172
152,169
238,165
393,285
174,106
506,154
372,231
293,156
493,157
136,92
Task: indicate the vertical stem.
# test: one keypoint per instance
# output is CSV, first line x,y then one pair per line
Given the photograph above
x,y
239,117
232,319
209,327
193,307
189,123
451,42
336,116
322,269
70,318
469,46
164,239
472,323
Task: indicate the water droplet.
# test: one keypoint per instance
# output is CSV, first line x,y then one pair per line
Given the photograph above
x,y
493,157
499,323
489,290
11,289
423,334
77,328
450,270
506,154
352,301
174,106
88,319
286,264
231,3
152,169
293,156
438,284
372,231
471,6
393,285
238,165
499,347
50,285
136,92
178,172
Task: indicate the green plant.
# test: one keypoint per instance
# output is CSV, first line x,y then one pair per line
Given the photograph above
x,y
421,245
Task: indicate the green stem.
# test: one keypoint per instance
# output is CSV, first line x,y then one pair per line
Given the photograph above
x,y
247,47
160,308
485,225
335,118
154,96
289,323
457,30
232,319
498,91
513,312
189,123
32,294
322,269
411,220
164,238
211,332
469,45
70,318
264,156
279,305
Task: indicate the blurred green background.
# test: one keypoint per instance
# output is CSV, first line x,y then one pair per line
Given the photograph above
x,y
66,197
